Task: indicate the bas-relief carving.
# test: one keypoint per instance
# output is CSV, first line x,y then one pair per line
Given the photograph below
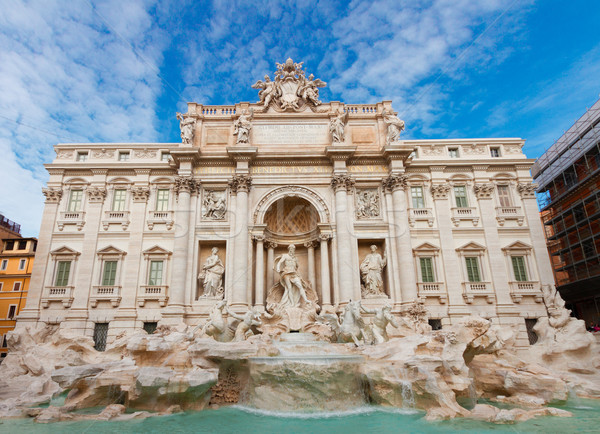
x,y
394,126
371,273
474,150
290,90
368,204
242,127
214,205
513,149
64,154
144,153
432,150
103,153
211,276
337,126
186,124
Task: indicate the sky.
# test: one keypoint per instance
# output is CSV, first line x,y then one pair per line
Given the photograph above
x,y
117,71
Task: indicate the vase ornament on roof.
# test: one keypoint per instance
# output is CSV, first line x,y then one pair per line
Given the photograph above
x,y
290,90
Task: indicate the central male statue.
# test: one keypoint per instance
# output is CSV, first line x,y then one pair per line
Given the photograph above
x,y
293,285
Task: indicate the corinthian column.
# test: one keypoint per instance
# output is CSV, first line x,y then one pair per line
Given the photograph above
x,y
270,263
259,279
240,184
408,283
311,264
341,184
325,288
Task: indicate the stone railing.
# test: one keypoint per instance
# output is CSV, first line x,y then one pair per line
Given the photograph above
x,y
218,110
71,218
106,293
504,213
433,289
153,293
416,214
62,294
160,217
116,217
469,213
478,289
361,109
529,288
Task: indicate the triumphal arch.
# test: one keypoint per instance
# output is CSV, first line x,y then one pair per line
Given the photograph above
x,y
286,208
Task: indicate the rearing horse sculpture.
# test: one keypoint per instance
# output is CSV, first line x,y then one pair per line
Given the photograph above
x,y
351,328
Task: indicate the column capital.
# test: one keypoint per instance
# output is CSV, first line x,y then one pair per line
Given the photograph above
x,y
271,244
96,194
483,191
240,183
258,238
342,181
324,237
527,190
53,195
310,244
140,194
440,191
185,184
395,182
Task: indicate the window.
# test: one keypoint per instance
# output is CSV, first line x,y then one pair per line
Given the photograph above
x,y
22,245
162,199
9,245
75,200
82,156
124,156
472,263
518,264
589,250
22,264
164,156
427,269
436,324
1,285
4,264
150,327
417,197
531,335
3,342
453,152
109,273
579,213
100,335
12,311
460,195
119,200
495,152
63,269
17,286
504,195
156,273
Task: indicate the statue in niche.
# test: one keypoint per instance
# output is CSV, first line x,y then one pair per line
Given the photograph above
x,y
243,126
395,126
367,204
213,206
337,127
293,285
371,270
269,90
186,124
244,329
211,275
383,317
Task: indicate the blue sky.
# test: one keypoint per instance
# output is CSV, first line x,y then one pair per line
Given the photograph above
x,y
117,71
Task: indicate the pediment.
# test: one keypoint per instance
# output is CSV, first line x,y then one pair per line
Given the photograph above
x,y
64,250
518,245
426,247
156,250
472,246
111,250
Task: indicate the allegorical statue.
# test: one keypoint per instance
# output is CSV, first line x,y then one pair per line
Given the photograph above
x,y
294,290
383,317
186,124
371,270
244,328
337,127
211,275
269,90
243,126
395,126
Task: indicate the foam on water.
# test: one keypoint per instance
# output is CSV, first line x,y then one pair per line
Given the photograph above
x,y
363,410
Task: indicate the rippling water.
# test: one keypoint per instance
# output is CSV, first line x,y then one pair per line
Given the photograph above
x,y
365,420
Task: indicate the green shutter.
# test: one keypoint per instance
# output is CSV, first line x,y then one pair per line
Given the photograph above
x,y
427,270
110,273
473,269
460,194
518,263
62,273
156,271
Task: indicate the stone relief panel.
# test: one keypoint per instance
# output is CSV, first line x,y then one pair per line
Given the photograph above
x,y
368,204
214,204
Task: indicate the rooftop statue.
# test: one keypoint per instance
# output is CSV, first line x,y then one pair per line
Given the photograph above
x,y
290,90
395,126
242,127
186,124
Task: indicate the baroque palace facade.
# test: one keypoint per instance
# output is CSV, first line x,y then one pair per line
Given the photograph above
x,y
137,234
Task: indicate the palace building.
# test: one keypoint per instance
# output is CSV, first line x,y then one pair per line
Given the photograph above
x,y
137,234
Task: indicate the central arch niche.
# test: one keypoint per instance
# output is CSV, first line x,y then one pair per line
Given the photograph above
x,y
291,218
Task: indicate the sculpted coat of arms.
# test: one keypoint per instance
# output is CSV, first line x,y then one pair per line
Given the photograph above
x,y
290,90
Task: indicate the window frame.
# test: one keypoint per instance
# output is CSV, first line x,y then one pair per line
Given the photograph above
x,y
58,272
160,200
474,260
523,265
20,285
429,259
22,264
116,198
150,280
495,149
124,156
507,195
519,248
456,197
111,278
453,152
15,313
4,265
79,201
420,188
82,156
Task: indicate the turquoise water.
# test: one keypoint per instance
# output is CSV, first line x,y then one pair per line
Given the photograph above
x,y
365,420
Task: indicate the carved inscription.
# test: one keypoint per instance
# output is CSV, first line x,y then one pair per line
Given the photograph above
x,y
258,170
304,134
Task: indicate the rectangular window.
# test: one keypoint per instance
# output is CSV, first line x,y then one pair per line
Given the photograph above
x,y
427,270
156,273
504,195
4,264
164,156
63,269
119,200
473,274
12,311
453,152
123,156
82,156
9,245
110,272
100,335
1,285
518,263
17,286
417,197
162,199
22,245
75,200
495,152
460,195
22,264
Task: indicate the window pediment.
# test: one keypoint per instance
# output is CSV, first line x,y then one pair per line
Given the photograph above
x,y
471,247
64,251
111,251
156,251
426,248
